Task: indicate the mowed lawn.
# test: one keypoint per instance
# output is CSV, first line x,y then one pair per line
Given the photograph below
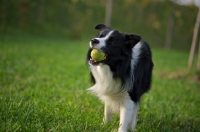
x,y
44,81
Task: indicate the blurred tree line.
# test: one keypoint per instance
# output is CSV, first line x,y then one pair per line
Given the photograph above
x,y
156,20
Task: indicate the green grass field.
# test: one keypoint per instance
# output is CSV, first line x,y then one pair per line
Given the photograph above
x,y
43,84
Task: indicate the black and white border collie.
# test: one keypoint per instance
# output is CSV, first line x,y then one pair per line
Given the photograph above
x,y
123,76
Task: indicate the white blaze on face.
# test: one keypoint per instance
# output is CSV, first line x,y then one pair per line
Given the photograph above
x,y
102,41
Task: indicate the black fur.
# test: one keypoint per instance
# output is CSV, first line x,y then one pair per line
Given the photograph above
x,y
142,73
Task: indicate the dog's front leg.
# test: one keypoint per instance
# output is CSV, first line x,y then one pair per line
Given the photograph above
x,y
126,112
107,113
134,116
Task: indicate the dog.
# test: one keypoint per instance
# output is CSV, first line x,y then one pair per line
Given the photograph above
x,y
123,76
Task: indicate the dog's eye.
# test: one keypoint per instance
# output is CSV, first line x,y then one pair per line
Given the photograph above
x,y
101,36
111,40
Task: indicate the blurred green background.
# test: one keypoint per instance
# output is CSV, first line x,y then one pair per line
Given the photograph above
x,y
76,19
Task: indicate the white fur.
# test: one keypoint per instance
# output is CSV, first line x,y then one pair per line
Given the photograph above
x,y
135,56
109,91
128,115
102,41
105,83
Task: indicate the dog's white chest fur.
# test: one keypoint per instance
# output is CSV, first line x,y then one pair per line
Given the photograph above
x,y
107,88
105,83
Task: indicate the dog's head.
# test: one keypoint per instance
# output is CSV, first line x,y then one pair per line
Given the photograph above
x,y
114,44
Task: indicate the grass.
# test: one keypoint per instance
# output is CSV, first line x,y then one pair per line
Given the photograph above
x,y
43,84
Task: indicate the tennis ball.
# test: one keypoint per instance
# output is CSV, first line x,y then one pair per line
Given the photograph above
x,y
97,55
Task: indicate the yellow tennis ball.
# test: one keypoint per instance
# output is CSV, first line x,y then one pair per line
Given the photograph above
x,y
97,55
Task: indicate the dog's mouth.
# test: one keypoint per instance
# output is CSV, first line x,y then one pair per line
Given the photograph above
x,y
94,62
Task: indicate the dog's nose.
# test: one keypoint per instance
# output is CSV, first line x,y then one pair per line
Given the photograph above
x,y
94,41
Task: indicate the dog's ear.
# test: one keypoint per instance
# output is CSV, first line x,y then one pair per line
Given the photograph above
x,y
101,26
132,38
